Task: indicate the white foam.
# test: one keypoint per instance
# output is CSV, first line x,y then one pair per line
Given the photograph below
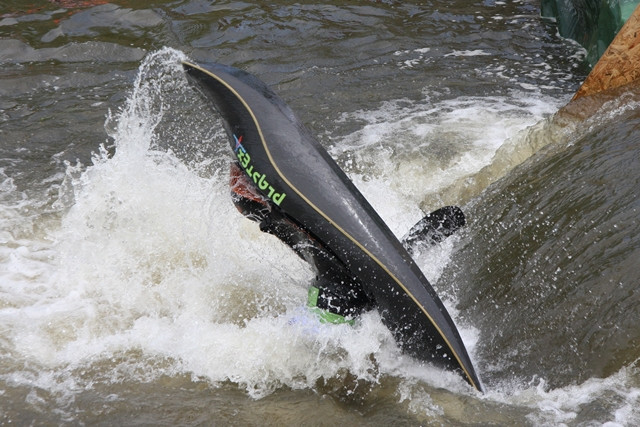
x,y
475,52
419,149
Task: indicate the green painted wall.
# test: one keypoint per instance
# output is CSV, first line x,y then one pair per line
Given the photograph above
x,y
592,23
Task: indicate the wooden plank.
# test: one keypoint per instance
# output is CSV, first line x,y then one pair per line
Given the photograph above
x,y
620,63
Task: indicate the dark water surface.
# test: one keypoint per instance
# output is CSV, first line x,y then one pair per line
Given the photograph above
x,y
131,292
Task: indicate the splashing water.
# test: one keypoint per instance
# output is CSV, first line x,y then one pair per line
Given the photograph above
x,y
144,270
151,266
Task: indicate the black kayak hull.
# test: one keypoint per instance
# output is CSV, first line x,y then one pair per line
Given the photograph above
x,y
290,167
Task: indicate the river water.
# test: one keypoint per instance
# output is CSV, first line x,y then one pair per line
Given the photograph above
x,y
132,292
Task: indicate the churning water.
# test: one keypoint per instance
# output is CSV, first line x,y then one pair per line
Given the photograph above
x,y
131,290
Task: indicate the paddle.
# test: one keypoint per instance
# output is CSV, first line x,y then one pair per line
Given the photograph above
x,y
434,228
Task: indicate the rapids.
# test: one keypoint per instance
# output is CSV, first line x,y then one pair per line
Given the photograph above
x,y
131,290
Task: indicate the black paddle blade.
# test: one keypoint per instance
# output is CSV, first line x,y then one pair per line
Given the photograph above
x,y
434,228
